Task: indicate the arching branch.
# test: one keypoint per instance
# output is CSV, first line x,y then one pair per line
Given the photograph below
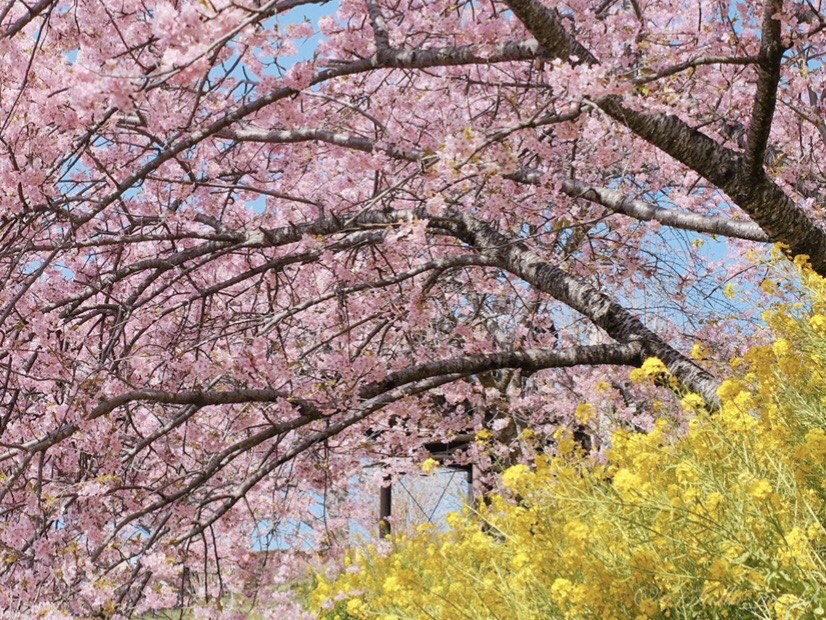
x,y
685,220
608,198
515,257
530,360
203,398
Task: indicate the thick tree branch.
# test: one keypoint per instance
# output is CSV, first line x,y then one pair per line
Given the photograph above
x,y
290,136
379,25
685,220
532,360
529,360
197,398
620,324
205,398
765,94
693,64
545,24
366,145
31,13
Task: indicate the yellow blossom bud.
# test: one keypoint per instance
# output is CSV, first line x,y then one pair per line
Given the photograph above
x,y
801,261
782,347
698,352
818,323
584,413
693,401
429,465
760,490
513,476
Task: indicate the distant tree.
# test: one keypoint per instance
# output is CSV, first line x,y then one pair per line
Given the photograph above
x,y
232,278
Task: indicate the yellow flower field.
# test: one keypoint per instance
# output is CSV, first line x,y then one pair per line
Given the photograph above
x,y
724,521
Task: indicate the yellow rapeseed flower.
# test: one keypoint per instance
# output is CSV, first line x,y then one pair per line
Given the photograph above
x,y
699,352
818,323
782,347
585,413
760,490
719,517
693,401
627,482
514,476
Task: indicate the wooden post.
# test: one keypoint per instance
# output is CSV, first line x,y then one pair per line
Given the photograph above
x,y
469,469
385,508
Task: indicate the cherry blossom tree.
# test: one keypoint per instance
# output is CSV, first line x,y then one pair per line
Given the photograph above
x,y
233,278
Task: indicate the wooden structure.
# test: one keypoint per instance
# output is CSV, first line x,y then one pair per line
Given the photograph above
x,y
439,451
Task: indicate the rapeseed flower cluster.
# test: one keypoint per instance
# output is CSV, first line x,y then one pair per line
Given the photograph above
x,y
725,520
